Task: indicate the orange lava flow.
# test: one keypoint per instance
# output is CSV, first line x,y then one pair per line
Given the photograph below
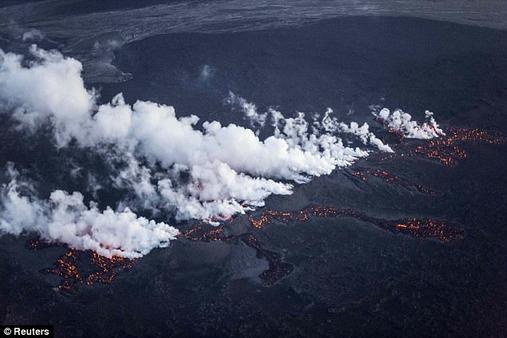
x,y
72,264
107,268
428,228
289,216
386,176
418,228
205,233
447,149
66,267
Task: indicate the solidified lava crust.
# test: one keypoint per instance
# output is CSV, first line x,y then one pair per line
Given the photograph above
x,y
278,269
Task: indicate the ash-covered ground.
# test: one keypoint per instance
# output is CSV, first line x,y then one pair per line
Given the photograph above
x,y
405,244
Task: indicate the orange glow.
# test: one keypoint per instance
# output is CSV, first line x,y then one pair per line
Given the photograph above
x,y
71,264
288,216
386,176
418,228
447,150
205,233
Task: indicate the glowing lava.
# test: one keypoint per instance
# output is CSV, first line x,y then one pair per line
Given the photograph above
x,y
108,268
66,268
205,233
386,176
87,267
427,228
288,216
419,228
447,149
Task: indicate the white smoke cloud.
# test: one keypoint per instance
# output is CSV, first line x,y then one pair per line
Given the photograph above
x,y
166,163
226,163
249,110
50,88
65,218
20,213
331,124
33,35
402,122
328,123
211,192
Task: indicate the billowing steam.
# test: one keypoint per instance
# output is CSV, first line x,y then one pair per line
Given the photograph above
x,y
171,164
65,218
402,122
249,110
